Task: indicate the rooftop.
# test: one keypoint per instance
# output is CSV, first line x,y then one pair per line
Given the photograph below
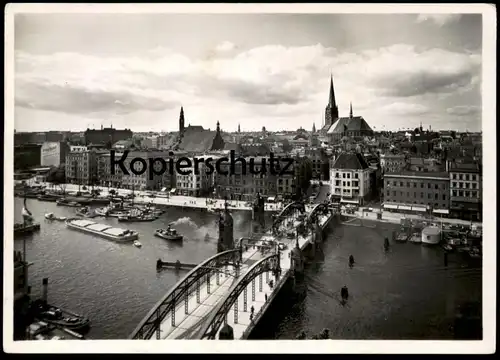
x,y
351,161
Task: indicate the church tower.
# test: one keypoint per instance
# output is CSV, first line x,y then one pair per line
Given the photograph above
x,y
332,110
181,121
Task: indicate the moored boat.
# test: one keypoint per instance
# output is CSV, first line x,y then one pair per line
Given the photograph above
x,y
86,212
104,231
137,244
402,237
65,202
23,229
169,234
136,218
415,238
431,235
49,197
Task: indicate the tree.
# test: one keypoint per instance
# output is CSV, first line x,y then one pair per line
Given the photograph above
x,y
57,176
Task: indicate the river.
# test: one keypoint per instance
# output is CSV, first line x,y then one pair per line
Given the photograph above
x,y
406,293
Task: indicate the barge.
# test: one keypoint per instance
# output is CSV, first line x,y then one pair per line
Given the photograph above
x,y
23,229
104,231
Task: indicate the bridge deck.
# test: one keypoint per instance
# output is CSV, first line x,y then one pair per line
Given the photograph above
x,y
285,263
187,325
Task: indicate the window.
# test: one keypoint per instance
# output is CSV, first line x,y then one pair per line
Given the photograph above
x,y
474,177
444,197
466,194
467,177
348,176
461,176
460,193
466,185
429,196
428,185
444,186
436,196
343,176
401,183
401,193
421,195
436,186
454,184
414,185
421,185
474,185
388,193
394,183
356,175
407,184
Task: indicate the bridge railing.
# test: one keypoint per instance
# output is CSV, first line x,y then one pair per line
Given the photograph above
x,y
219,316
180,292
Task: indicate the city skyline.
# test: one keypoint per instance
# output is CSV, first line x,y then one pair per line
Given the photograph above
x,y
274,71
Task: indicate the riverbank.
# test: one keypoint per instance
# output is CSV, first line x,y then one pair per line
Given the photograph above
x,y
168,200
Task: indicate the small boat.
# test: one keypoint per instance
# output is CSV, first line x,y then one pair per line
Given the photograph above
x,y
86,212
64,202
59,317
51,216
140,218
137,244
402,237
447,247
104,231
415,238
169,234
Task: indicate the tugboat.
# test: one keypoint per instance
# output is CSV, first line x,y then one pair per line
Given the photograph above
x,y
56,316
169,234
28,226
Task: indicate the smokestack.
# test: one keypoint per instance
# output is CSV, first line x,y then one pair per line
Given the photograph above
x,y
45,284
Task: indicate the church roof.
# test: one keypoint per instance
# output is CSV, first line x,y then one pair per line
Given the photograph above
x,y
350,161
356,123
194,140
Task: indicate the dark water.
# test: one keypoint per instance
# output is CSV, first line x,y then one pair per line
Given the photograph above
x,y
406,293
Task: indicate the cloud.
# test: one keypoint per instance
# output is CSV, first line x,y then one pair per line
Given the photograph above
x,y
438,19
225,46
405,109
464,110
265,85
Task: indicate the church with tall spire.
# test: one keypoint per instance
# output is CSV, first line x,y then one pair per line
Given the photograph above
x,y
336,127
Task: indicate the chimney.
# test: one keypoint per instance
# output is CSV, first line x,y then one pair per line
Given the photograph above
x,y
45,289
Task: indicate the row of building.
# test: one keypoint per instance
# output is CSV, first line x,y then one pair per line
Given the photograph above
x,y
419,186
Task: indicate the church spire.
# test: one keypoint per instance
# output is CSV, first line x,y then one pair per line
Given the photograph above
x,y
218,127
314,127
239,129
350,110
181,120
331,98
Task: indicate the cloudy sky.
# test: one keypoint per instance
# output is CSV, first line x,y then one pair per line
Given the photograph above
x,y
74,71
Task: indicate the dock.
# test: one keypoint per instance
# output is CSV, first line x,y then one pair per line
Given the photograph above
x,y
175,265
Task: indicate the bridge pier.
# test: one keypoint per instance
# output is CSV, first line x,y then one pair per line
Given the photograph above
x,y
226,333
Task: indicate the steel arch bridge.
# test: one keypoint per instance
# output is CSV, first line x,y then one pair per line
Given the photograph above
x,y
290,209
319,209
181,291
219,315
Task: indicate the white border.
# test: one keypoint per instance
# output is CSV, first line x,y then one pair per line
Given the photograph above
x,y
488,345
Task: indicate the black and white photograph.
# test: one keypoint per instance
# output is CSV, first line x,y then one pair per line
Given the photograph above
x,y
283,172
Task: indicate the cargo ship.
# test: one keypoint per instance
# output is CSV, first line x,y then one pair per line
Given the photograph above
x,y
104,231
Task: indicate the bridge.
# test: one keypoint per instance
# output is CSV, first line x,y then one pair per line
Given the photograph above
x,y
224,289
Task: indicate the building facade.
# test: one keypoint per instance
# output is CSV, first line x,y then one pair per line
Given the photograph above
x,y
465,191
81,167
350,178
53,153
106,136
196,184
419,192
27,156
392,163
